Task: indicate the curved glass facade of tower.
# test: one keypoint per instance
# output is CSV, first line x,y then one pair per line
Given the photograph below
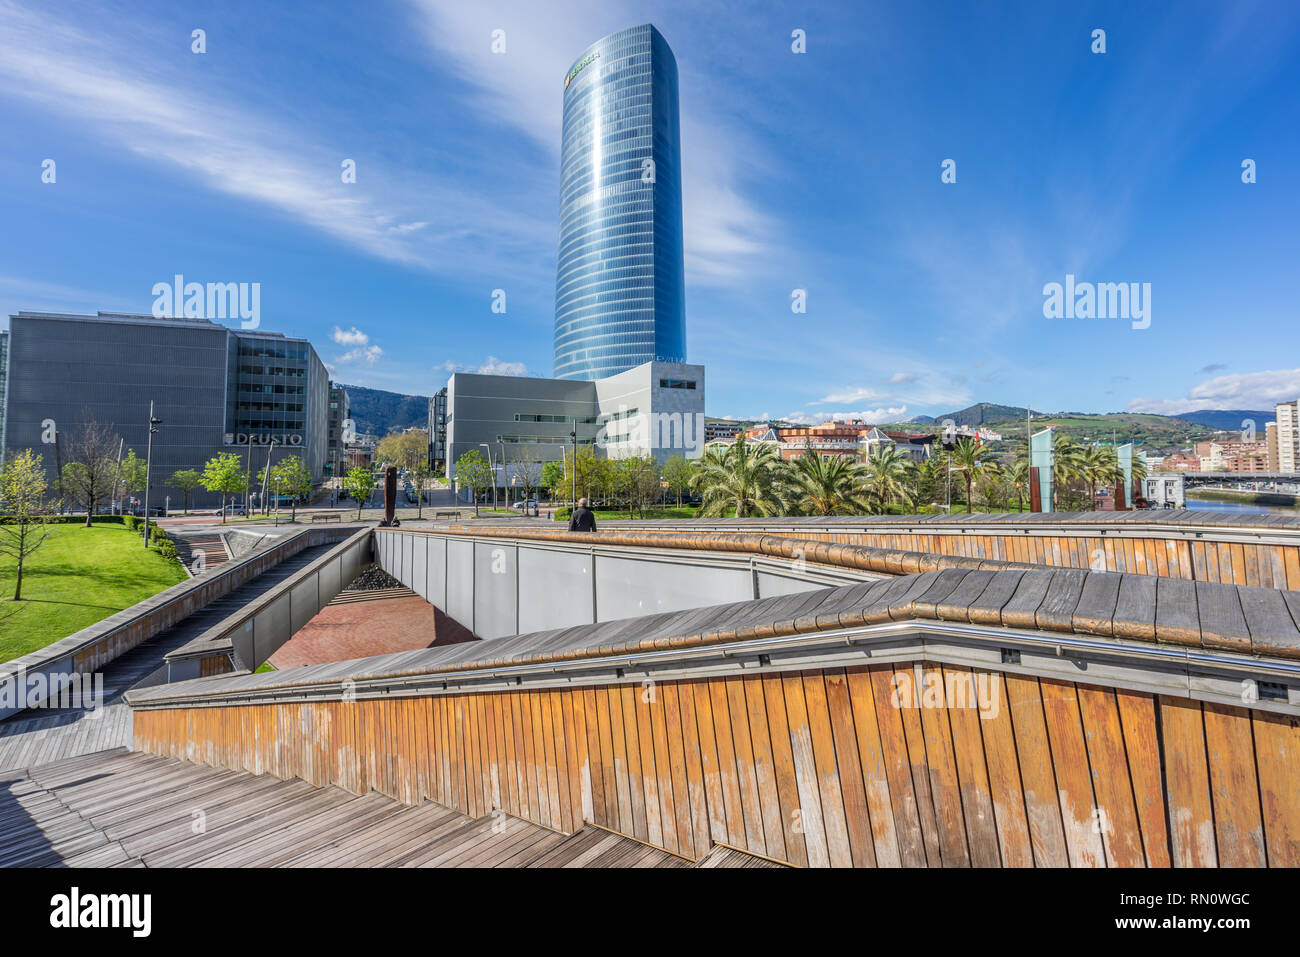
x,y
620,286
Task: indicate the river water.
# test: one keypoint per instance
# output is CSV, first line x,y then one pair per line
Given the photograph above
x,y
1205,505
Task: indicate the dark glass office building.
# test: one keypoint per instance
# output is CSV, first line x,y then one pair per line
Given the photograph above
x,y
620,285
216,390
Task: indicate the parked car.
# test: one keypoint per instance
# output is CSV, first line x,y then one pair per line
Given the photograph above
x,y
231,510
528,505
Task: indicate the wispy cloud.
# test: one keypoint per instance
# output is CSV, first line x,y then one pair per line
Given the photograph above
x,y
1247,390
853,395
726,232
493,366
99,80
368,355
885,415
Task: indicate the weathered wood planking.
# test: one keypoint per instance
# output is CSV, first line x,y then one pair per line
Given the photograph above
x,y
882,765
1232,563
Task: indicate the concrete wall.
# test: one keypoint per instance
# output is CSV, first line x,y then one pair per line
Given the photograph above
x,y
499,587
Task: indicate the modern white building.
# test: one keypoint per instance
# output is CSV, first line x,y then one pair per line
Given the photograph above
x,y
654,410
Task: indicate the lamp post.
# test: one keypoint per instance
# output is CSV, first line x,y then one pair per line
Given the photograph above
x,y
505,479
574,471
492,470
148,464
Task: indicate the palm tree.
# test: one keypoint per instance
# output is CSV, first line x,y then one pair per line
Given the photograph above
x,y
742,475
887,475
1098,464
967,456
1066,466
827,486
1018,478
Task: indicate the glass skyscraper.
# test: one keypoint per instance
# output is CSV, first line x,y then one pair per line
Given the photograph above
x,y
620,287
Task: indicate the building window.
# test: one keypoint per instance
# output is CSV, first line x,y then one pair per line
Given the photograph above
x,y
676,384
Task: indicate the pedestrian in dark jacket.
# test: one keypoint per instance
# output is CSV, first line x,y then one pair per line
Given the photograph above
x,y
583,519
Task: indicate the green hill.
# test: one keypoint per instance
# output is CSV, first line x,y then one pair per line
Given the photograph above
x,y
377,412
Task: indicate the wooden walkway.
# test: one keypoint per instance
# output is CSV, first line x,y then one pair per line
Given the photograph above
x,y
57,735
123,809
42,735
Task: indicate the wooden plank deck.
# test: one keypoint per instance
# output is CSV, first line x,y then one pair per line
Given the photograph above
x,y
122,809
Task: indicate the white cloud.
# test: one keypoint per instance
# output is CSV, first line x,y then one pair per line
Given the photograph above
x,y
853,395
367,354
893,414
493,366
724,231
1245,390
102,83
350,337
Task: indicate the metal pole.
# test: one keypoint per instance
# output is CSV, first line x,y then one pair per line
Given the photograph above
x,y
505,480
266,479
574,434
248,470
117,479
148,463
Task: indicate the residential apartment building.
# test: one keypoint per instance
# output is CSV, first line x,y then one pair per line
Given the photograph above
x,y
1288,436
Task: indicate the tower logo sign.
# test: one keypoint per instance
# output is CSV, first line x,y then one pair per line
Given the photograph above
x,y
578,68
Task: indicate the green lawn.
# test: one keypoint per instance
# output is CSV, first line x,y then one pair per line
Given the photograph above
x,y
78,577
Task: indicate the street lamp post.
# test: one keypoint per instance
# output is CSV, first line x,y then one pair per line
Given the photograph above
x,y
148,464
492,470
574,471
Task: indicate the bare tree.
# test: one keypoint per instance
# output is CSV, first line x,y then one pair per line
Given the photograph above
x,y
526,471
91,470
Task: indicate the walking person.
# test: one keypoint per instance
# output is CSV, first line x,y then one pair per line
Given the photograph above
x,y
582,519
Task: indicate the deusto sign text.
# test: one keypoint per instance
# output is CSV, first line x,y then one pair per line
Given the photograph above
x,y
263,438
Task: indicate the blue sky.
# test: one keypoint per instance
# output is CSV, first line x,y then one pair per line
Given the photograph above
x,y
817,171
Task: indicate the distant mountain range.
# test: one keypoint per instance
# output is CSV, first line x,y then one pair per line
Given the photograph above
x,y
376,412
1229,420
1145,428
982,413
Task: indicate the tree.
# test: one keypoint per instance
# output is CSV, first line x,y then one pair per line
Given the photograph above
x,y
1066,468
524,472
91,470
745,476
225,474
594,474
403,449
359,483
132,475
677,472
289,476
1018,480
474,473
965,455
553,477
886,475
1098,464
22,491
828,486
187,480
420,476
637,480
